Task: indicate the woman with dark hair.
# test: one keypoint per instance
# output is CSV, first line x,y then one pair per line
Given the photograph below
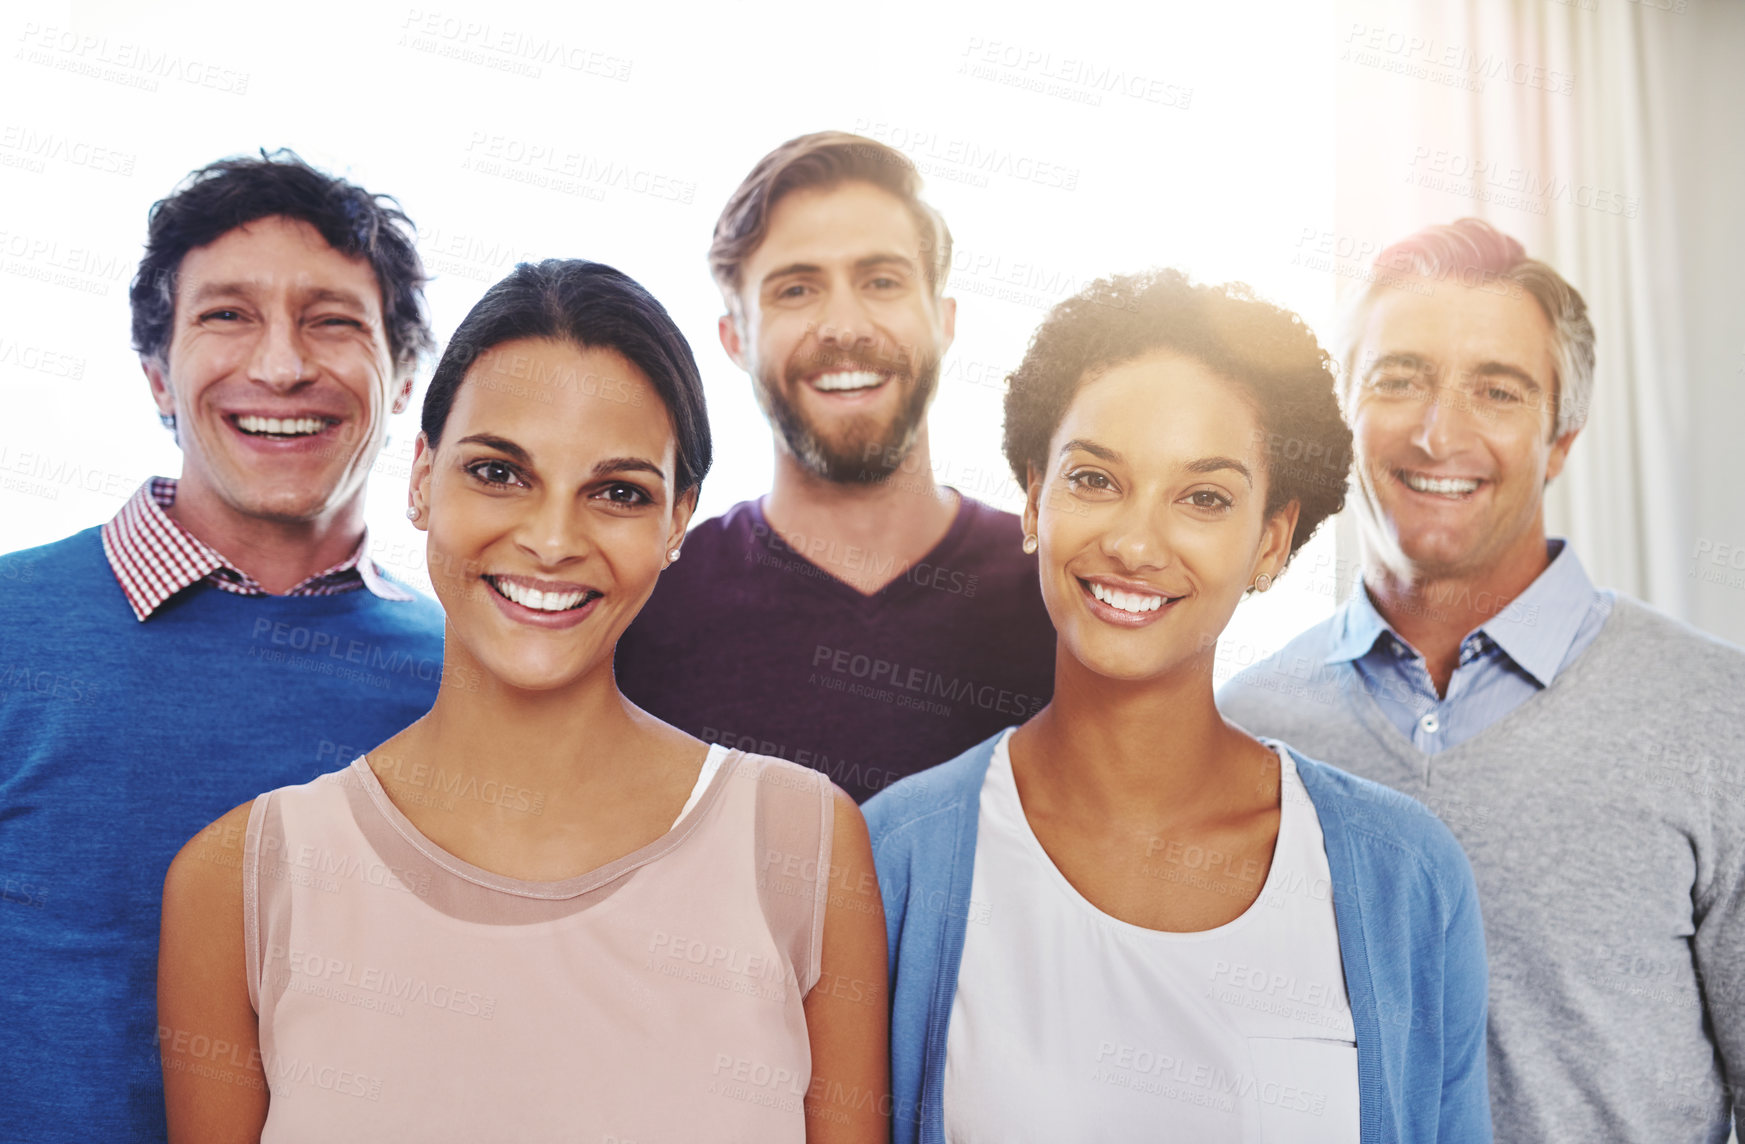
x,y
1181,932
537,913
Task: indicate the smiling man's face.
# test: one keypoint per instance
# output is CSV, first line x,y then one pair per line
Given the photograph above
x,y
1452,404
840,330
278,372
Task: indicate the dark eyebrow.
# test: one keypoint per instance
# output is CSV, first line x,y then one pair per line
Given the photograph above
x,y
1102,452
867,263
208,290
601,468
902,262
628,465
1218,464
343,297
1203,465
790,270
501,444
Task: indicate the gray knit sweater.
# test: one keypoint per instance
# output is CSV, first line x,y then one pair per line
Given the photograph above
x,y
1605,820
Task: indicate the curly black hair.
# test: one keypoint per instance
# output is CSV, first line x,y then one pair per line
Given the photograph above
x,y
1264,350
230,193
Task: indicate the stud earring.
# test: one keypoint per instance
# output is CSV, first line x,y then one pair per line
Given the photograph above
x,y
1262,582
412,512
672,555
1030,544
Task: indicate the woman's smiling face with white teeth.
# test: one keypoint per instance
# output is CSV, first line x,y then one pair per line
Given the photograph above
x,y
546,491
1150,516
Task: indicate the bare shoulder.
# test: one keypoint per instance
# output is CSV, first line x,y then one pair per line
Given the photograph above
x,y
203,993
854,881
850,823
847,1008
208,869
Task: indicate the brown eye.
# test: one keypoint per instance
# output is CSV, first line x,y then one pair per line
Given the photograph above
x,y
493,473
1207,498
626,494
1088,479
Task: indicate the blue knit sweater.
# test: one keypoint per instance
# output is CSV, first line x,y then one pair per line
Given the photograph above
x,y
1409,934
119,741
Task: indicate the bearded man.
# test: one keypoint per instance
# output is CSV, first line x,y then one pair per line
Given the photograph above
x,y
860,617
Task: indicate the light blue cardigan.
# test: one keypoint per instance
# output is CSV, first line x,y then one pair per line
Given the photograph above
x,y
1409,933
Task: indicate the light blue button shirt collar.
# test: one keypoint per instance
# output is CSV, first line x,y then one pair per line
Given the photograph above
x,y
1535,629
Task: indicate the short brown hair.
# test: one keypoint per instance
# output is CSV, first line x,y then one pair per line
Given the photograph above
x,y
822,159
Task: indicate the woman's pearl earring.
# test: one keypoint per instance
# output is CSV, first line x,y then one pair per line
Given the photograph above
x,y
1262,582
672,555
1030,544
412,512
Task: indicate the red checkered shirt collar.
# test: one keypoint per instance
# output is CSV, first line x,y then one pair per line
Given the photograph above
x,y
153,558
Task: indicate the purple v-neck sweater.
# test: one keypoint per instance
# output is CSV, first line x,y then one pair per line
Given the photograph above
x,y
753,643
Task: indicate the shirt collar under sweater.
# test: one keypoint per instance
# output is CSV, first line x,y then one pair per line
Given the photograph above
x,y
153,558
1535,629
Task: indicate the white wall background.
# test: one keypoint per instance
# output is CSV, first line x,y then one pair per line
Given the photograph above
x,y
1061,143
1703,136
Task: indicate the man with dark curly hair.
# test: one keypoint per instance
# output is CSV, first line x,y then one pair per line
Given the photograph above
x,y
1585,749
225,633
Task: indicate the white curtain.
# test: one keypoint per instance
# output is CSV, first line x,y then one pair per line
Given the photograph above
x,y
1568,125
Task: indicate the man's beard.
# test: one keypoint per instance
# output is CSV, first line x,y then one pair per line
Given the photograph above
x,y
862,452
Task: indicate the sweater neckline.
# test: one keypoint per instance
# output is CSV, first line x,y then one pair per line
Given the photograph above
x,y
832,584
1381,728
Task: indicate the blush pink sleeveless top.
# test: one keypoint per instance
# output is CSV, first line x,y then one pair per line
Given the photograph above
x,y
404,994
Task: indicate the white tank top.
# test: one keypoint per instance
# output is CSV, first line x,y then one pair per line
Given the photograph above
x,y
1069,1024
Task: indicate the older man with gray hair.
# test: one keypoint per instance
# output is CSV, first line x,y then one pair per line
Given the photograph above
x,y
1586,750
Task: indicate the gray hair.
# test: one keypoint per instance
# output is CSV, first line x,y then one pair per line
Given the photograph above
x,y
1474,253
